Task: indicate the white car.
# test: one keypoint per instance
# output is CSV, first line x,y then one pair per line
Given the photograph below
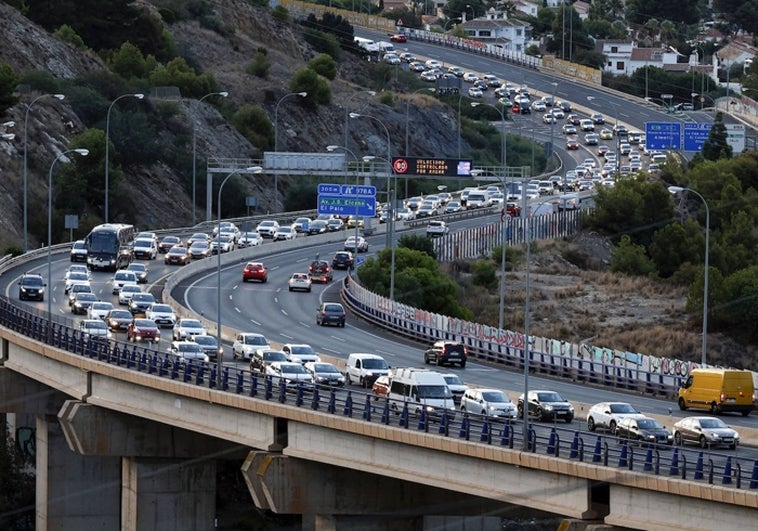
x,y
301,224
489,403
267,228
184,328
432,63
456,386
475,92
301,353
470,77
99,309
249,239
146,248
299,282
77,268
405,214
95,328
123,277
361,246
285,233
187,351
225,242
75,278
606,415
452,207
246,343
437,228
291,374
125,293
162,314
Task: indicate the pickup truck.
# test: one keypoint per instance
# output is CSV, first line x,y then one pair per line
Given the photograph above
x,y
437,228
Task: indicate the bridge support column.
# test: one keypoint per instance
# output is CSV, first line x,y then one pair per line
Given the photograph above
x,y
332,498
167,494
73,492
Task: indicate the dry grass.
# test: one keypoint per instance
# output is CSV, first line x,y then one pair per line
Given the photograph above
x,y
616,311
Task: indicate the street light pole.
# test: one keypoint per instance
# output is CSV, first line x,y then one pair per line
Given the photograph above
x,y
276,116
83,152
357,183
107,147
219,356
223,94
347,107
26,171
391,219
680,189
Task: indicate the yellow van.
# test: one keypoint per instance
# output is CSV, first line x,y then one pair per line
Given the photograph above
x,y
718,390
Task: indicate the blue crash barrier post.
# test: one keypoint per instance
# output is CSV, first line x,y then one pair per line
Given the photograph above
x,y
404,416
253,384
225,378
142,365
485,435
574,450
444,427
699,466
386,412
175,370
464,431
727,479
367,409
153,363
597,455
648,464
674,469
506,435
269,394
187,371
738,475
315,399
423,421
200,374
754,476
299,395
684,466
623,459
332,408
532,435
240,380
550,450
348,411
163,368
282,391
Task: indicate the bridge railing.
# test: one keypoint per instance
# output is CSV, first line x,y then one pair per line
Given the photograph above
x,y
547,438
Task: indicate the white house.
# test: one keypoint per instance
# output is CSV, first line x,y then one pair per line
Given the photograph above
x,y
623,57
496,28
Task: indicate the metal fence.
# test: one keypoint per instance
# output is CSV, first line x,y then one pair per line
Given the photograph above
x,y
547,438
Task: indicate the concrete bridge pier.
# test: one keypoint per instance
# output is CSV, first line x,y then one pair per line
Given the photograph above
x,y
332,498
165,477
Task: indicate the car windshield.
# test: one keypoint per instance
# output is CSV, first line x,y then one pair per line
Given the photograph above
x,y
434,391
205,340
622,408
102,306
495,396
333,308
302,349
143,243
191,324
189,347
293,369
712,423
453,379
274,355
325,367
161,308
648,424
372,363
143,297
550,397
96,324
255,340
144,323
121,314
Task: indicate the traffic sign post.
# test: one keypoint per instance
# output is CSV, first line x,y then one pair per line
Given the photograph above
x,y
660,136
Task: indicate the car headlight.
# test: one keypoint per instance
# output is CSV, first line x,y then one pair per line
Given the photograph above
x,y
571,408
548,407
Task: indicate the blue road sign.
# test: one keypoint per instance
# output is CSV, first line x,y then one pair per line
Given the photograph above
x,y
359,260
661,136
351,190
695,135
331,189
346,206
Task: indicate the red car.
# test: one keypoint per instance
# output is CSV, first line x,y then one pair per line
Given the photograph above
x,y
143,330
572,144
255,271
513,209
398,38
319,271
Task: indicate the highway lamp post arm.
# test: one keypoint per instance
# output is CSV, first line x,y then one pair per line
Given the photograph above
x,y
219,355
704,339
194,154
357,183
26,167
107,147
83,152
276,116
347,110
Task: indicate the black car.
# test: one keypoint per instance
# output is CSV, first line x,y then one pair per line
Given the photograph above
x,y
317,226
644,430
330,313
343,260
446,353
547,405
31,287
140,302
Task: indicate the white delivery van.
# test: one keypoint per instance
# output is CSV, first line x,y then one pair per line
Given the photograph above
x,y
364,368
420,389
385,46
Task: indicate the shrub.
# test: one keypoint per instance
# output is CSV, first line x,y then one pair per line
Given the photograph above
x,y
630,258
253,123
41,81
8,83
67,34
323,42
483,274
259,66
386,98
307,80
324,65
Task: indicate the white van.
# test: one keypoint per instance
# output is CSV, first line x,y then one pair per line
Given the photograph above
x,y
478,199
363,369
420,389
567,202
385,46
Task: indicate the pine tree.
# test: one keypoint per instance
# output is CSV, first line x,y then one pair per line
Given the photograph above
x,y
717,147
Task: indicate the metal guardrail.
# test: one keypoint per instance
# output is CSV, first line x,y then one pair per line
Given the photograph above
x,y
565,443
